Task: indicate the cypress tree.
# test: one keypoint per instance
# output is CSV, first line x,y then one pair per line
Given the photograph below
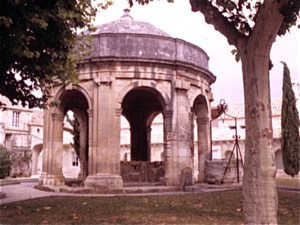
x,y
289,126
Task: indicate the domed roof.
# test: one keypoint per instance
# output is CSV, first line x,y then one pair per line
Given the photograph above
x,y
126,24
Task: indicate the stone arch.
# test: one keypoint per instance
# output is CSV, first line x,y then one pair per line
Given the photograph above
x,y
36,150
201,112
74,100
76,87
140,105
278,159
163,97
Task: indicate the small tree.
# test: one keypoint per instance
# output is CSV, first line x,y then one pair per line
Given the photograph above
x,y
289,126
5,162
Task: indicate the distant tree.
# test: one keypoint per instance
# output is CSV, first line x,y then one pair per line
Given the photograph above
x,y
75,131
289,126
252,26
37,40
5,162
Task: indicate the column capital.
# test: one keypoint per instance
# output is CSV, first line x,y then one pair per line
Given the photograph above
x,y
118,112
202,120
168,113
56,116
90,112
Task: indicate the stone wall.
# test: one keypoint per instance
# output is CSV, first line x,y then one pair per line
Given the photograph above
x,y
142,172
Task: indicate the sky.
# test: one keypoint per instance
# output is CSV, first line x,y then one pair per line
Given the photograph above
x,y
177,20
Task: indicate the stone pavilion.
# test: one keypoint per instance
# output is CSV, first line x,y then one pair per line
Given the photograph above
x,y
138,71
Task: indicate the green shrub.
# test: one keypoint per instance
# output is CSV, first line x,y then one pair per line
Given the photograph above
x,y
5,162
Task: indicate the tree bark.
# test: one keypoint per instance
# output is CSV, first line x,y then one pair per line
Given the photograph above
x,y
259,183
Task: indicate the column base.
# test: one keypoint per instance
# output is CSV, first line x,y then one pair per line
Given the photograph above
x,y
51,180
104,182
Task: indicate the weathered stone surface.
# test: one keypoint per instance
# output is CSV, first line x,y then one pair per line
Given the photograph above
x,y
214,170
186,177
143,172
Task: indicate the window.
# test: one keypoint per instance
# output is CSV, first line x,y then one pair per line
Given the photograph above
x,y
16,119
75,159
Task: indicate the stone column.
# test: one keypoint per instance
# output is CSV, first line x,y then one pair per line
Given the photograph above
x,y
203,145
46,146
149,143
57,149
90,143
168,141
103,155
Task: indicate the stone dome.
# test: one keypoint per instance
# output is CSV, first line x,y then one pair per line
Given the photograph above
x,y
126,24
127,40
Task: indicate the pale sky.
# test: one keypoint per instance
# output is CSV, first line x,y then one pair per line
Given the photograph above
x,y
177,20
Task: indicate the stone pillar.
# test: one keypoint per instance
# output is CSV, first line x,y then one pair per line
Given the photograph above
x,y
57,177
105,152
91,165
203,146
168,141
149,143
53,158
46,146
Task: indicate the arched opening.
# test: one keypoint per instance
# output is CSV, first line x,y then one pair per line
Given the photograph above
x,y
200,113
143,130
125,140
140,106
36,160
75,101
278,159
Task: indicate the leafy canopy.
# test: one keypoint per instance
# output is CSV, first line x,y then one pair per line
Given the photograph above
x,y
37,41
237,18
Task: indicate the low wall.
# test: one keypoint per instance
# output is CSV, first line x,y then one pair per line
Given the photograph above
x,y
142,172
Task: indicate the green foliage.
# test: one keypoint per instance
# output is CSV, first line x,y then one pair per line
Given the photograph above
x,y
37,46
143,2
75,132
5,162
289,126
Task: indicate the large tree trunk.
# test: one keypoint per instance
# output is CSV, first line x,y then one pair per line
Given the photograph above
x,y
259,185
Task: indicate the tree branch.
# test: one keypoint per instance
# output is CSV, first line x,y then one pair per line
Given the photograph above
x,y
213,16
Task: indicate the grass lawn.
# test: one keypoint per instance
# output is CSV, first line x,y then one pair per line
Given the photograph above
x,y
288,182
201,208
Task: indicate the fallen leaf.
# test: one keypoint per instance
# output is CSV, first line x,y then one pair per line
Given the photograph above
x,y
76,217
47,207
4,207
85,203
38,209
90,207
45,221
239,210
146,200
